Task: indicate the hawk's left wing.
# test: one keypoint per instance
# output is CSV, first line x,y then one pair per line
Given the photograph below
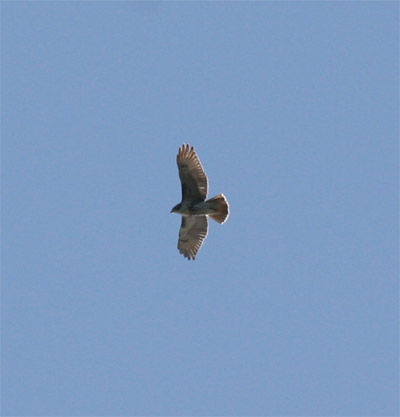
x,y
193,178
192,233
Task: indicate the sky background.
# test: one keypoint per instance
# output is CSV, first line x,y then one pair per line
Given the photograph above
x,y
291,307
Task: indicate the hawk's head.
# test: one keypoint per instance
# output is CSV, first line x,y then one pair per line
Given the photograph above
x,y
176,209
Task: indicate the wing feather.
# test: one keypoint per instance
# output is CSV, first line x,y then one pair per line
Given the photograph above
x,y
192,234
191,173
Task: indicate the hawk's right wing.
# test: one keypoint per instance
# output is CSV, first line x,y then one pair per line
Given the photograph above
x,y
192,233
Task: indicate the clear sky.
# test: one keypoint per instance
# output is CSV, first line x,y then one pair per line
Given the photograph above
x,y
291,307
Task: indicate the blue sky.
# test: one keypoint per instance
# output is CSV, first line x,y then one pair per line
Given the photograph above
x,y
291,307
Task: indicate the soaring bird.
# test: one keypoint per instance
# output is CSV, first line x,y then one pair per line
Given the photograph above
x,y
194,208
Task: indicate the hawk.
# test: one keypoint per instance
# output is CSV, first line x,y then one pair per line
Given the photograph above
x,y
194,208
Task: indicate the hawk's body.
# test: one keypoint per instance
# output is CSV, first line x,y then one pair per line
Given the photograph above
x,y
194,208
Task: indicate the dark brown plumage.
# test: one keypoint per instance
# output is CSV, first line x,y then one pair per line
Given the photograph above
x,y
193,207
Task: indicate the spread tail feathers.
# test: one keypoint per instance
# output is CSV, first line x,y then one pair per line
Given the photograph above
x,y
221,207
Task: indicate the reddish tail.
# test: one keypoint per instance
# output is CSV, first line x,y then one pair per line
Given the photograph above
x,y
221,207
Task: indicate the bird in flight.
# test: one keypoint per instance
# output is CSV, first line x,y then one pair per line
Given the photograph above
x,y
194,208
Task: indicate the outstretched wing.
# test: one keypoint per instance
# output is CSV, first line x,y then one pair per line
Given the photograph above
x,y
193,178
192,233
